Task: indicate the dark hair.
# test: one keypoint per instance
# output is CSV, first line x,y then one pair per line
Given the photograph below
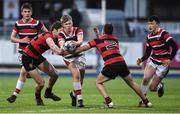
x,y
56,25
26,6
108,28
65,18
154,18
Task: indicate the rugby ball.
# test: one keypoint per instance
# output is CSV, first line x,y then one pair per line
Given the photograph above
x,y
69,46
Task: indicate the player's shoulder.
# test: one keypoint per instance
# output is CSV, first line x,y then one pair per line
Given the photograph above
x,y
20,21
46,35
35,21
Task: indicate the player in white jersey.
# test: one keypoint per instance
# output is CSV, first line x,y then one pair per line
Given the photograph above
x,y
75,62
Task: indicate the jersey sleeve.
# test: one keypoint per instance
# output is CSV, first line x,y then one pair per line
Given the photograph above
x,y
92,43
147,42
15,28
167,36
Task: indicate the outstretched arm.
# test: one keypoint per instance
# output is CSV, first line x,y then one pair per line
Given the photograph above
x,y
82,48
53,46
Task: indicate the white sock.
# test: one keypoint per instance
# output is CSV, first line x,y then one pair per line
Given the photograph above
x,y
144,89
77,86
19,86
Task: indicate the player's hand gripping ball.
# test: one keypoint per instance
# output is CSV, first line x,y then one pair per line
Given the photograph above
x,y
69,46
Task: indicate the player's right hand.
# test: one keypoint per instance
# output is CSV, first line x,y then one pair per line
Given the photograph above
x,y
25,40
139,61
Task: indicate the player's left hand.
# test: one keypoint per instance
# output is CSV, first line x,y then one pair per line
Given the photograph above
x,y
166,62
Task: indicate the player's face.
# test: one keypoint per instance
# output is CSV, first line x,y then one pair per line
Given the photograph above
x,y
152,26
55,33
67,25
26,14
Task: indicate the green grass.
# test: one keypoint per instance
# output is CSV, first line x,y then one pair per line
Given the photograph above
x,y
125,100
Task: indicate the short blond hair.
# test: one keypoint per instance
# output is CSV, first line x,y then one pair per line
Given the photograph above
x,y
65,18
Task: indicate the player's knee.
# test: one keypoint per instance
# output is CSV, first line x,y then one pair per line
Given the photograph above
x,y
76,75
98,82
23,73
146,80
152,88
41,83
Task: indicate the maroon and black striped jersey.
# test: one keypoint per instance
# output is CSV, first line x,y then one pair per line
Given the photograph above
x,y
108,46
30,29
38,45
158,43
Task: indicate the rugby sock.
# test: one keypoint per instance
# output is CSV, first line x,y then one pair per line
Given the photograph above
x,y
19,86
108,100
77,90
144,89
145,101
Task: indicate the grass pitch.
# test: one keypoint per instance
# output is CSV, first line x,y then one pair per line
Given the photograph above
x,y
124,99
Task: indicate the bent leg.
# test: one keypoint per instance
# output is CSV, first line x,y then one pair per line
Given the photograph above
x,y
100,86
19,85
154,83
148,74
76,85
129,80
21,81
51,71
38,79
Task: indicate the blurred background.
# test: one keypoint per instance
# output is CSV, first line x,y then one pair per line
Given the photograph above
x,y
129,18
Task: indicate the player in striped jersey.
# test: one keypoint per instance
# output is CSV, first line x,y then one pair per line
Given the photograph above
x,y
75,62
115,65
26,29
32,60
160,49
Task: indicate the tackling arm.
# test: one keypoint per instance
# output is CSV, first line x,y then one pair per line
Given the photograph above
x,y
82,48
53,46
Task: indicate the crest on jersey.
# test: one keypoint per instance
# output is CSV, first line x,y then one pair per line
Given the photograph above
x,y
31,65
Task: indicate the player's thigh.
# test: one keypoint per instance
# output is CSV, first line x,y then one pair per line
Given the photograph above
x,y
37,77
23,73
149,71
81,62
48,68
162,71
74,70
101,78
